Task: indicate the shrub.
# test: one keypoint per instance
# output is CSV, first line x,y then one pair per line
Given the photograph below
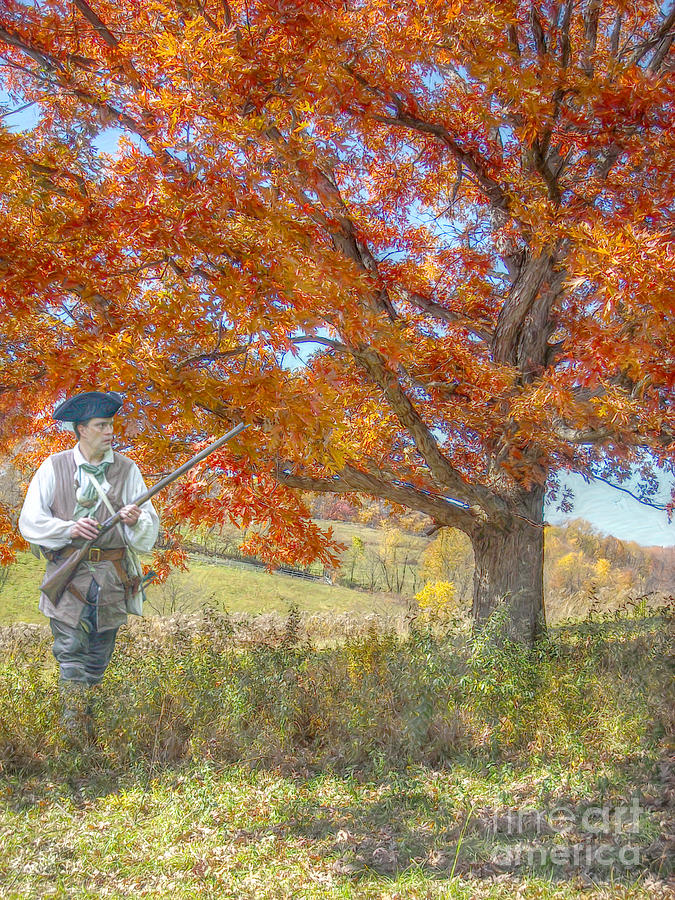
x,y
376,699
437,600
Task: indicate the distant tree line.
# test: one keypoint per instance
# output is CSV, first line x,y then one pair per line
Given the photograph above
x,y
582,568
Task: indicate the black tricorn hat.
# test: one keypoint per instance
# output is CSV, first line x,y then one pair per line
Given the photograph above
x,y
89,405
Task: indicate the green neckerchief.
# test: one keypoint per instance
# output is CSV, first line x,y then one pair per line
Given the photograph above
x,y
87,496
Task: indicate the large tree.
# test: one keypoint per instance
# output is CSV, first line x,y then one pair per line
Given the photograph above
x,y
465,208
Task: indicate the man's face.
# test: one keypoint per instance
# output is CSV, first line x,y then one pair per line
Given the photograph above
x,y
97,434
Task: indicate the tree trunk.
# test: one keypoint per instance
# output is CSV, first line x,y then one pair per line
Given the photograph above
x,y
509,567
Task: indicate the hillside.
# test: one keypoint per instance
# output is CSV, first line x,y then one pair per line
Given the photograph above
x,y
382,569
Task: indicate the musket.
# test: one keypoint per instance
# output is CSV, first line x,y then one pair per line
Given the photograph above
x,y
58,581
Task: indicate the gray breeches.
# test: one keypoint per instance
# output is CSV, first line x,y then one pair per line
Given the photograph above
x,y
83,652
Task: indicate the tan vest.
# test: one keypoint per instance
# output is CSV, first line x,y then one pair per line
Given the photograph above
x,y
112,598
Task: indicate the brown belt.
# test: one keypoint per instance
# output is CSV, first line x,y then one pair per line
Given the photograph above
x,y
95,553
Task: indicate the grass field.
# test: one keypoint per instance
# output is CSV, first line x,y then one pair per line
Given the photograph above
x,y
323,753
19,594
225,587
242,589
381,572
231,586
231,833
383,559
386,767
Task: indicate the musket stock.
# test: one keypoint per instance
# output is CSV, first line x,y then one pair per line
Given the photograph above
x,y
58,581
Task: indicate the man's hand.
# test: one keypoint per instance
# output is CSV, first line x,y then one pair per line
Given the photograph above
x,y
130,514
86,528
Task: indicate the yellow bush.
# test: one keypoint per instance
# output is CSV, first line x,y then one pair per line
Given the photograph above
x,y
602,568
437,599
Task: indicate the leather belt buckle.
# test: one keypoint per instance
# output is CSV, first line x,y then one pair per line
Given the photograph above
x,y
94,554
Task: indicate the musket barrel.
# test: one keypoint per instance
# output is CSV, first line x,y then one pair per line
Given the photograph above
x,y
181,470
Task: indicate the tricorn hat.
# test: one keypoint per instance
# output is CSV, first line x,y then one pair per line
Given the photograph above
x,y
87,406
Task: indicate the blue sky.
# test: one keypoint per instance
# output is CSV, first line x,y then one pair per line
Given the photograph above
x,y
615,512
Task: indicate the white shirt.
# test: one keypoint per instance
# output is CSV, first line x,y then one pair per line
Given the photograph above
x,y
39,526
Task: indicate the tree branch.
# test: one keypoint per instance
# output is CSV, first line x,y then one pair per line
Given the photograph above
x,y
618,487
327,342
106,35
469,158
108,113
440,312
327,187
446,389
352,480
207,17
46,174
580,435
654,41
661,52
12,112
537,31
344,237
513,313
612,153
615,37
211,357
46,60
541,162
558,96
591,18
441,470
565,47
514,43
478,166
101,28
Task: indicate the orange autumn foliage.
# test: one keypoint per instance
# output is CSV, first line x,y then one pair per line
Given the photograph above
x,y
464,208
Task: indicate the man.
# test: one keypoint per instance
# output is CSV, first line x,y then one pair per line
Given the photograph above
x,y
70,494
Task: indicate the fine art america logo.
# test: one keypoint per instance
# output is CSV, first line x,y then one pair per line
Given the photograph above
x,y
598,836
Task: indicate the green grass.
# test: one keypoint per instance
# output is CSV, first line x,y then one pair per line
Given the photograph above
x,y
371,536
405,551
386,766
242,589
232,587
387,556
20,593
232,833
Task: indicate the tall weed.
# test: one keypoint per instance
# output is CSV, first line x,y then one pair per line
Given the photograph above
x,y
378,699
